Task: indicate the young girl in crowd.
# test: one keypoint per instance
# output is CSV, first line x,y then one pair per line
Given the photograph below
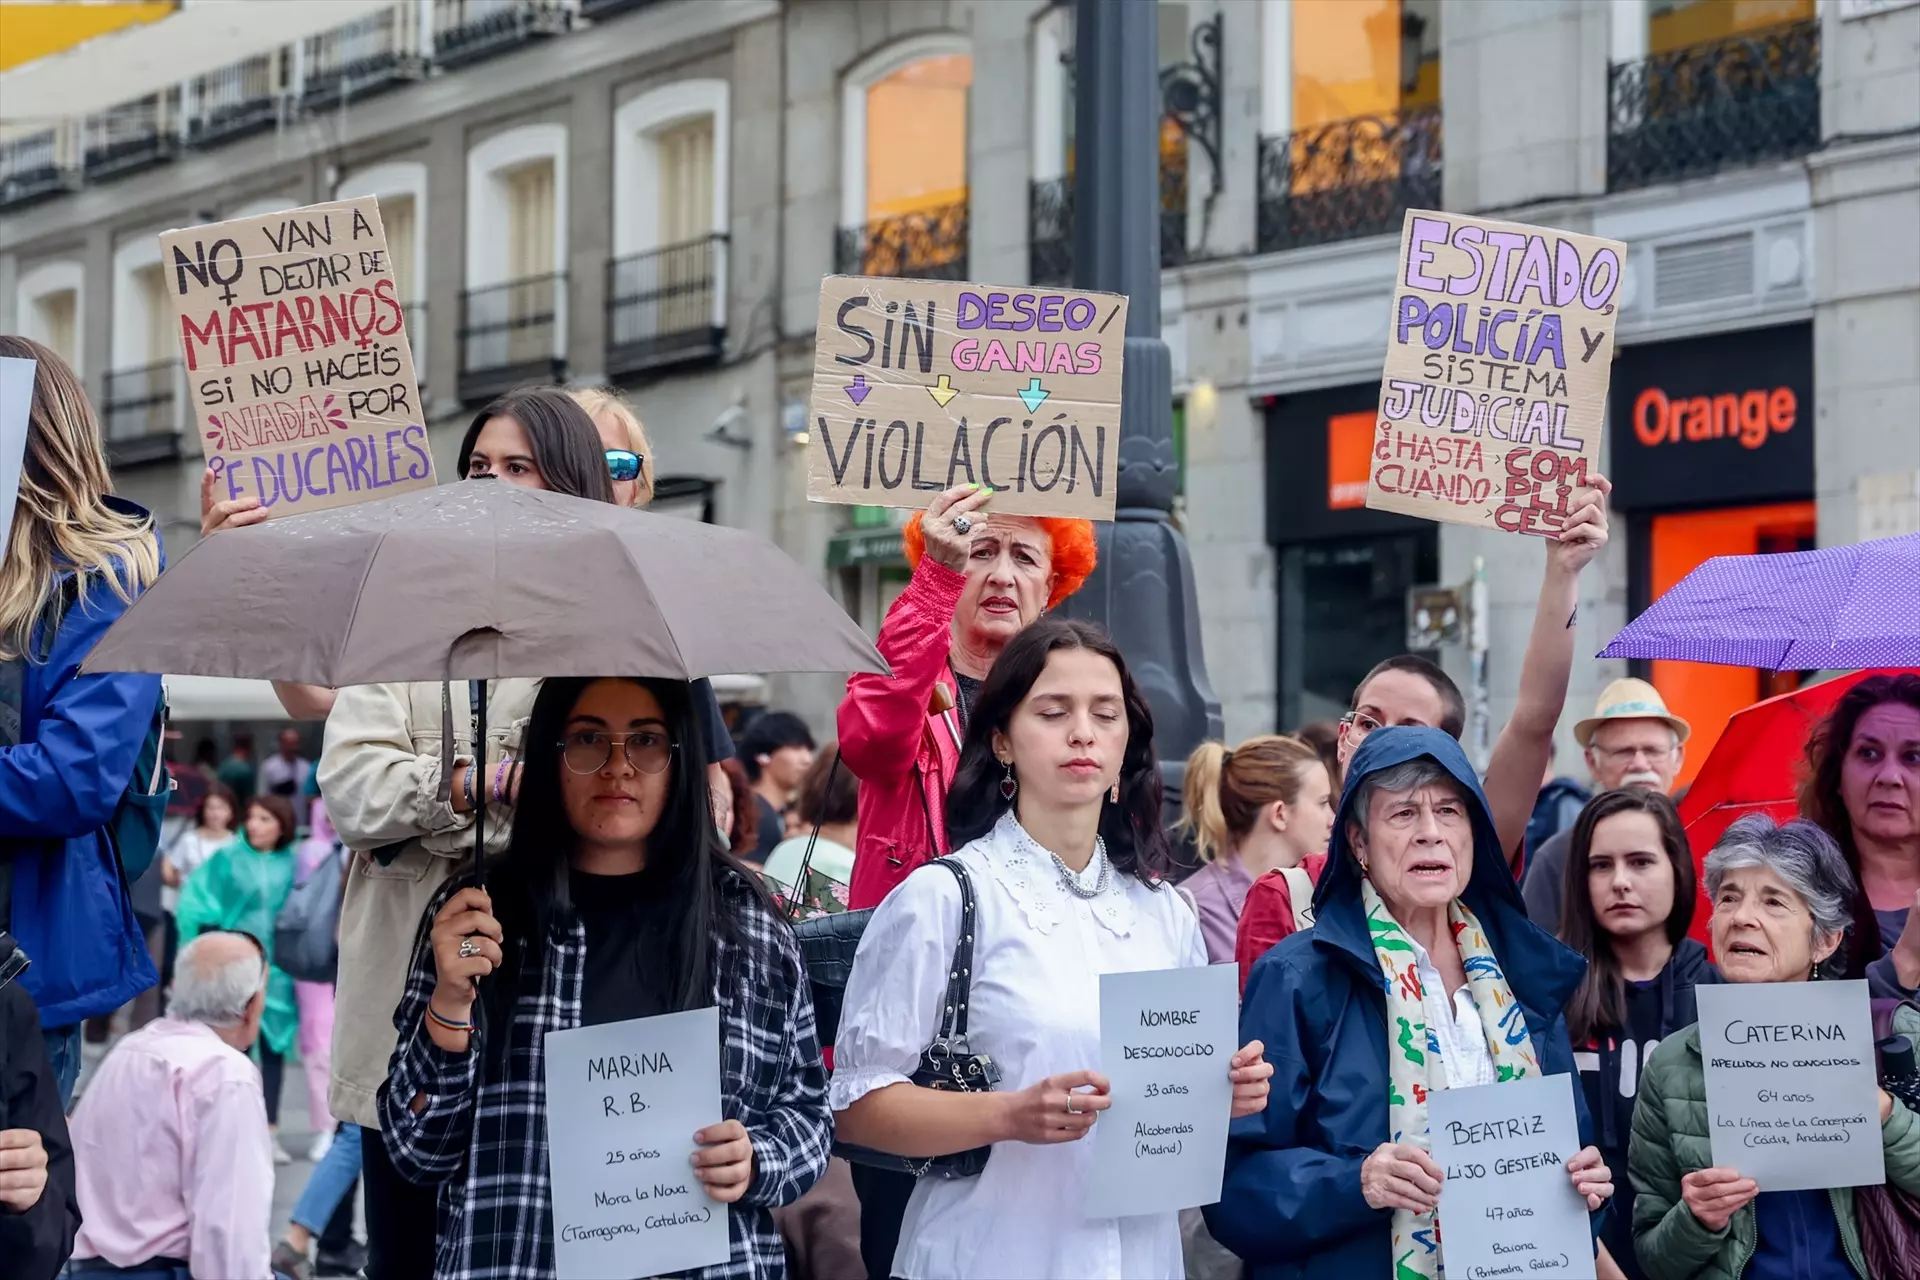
x,y
614,886
242,888
1628,902
1057,804
1265,806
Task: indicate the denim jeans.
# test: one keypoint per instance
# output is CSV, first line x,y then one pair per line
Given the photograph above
x,y
63,1050
330,1180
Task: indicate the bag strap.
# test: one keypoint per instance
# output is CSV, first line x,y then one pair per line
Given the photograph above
x,y
952,1039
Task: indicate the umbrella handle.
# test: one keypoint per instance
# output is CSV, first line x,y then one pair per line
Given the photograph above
x,y
480,788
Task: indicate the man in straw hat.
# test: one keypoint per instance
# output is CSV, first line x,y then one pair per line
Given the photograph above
x,y
1631,740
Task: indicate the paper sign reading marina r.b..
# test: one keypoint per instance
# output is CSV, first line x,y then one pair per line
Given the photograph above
x,y
921,385
296,352
1498,356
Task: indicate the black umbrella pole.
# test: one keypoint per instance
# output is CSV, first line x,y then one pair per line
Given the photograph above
x,y
480,789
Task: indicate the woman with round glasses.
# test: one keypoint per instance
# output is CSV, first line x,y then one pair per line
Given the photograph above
x,y
615,900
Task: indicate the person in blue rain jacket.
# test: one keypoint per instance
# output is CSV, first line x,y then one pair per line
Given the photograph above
x,y
75,559
1317,1186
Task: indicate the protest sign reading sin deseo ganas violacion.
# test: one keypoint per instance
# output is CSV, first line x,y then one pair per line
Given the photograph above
x,y
297,356
623,1102
922,385
1495,385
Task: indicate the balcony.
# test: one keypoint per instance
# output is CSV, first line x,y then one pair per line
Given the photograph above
x,y
234,101
928,245
376,53
141,412
467,31
128,138
1694,111
1050,225
598,9
667,306
34,166
1348,178
512,333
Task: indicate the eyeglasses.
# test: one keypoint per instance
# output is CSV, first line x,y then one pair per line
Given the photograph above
x,y
1653,754
624,464
1359,725
588,750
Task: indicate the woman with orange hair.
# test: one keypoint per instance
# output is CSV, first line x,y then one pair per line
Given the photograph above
x,y
978,577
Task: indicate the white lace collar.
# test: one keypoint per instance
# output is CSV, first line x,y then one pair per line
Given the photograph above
x,y
1027,872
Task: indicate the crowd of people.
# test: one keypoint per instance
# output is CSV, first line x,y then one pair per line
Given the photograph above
x,y
1402,923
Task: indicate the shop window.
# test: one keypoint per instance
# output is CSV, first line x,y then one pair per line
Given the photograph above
x,y
1679,24
1703,694
1343,608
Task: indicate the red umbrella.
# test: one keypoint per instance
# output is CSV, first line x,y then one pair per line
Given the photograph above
x,y
1755,767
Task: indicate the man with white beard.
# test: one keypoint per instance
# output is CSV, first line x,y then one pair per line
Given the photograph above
x,y
1631,740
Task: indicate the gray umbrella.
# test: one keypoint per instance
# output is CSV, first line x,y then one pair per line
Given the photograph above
x,y
477,581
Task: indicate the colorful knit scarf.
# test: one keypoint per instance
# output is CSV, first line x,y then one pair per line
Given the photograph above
x,y
1413,1052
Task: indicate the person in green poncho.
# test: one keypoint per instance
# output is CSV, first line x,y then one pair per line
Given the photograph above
x,y
242,888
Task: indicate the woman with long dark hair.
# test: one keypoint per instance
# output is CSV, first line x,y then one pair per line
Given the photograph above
x,y
1863,788
614,899
1627,904
1056,805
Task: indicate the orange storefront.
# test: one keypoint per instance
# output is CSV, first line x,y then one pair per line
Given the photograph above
x,y
1712,454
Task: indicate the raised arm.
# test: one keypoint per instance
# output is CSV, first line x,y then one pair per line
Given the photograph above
x,y
1520,756
882,717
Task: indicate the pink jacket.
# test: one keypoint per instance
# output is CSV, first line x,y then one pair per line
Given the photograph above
x,y
902,749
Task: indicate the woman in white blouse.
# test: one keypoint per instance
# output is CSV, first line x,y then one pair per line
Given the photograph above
x,y
1057,804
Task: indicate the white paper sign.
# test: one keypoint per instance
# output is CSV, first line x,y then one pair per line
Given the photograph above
x,y
16,408
1791,1089
1507,1203
1167,1040
623,1102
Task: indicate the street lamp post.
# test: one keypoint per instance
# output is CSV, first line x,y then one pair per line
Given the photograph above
x,y
1143,589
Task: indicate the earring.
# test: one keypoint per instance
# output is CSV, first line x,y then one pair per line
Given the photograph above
x,y
1007,784
1114,794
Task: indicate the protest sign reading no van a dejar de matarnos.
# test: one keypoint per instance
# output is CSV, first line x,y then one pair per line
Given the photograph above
x,y
297,356
921,385
1495,385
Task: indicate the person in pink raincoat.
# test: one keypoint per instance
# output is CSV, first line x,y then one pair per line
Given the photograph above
x,y
978,578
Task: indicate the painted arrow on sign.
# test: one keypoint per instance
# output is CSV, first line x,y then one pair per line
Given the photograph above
x,y
1033,395
944,390
858,390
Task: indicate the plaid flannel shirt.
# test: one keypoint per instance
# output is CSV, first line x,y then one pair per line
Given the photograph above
x,y
483,1142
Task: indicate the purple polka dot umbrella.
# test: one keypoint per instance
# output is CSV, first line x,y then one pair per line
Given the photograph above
x,y
1832,609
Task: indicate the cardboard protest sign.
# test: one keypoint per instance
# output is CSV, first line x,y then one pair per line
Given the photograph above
x,y
16,410
296,350
1492,400
921,385
1792,1090
1507,1204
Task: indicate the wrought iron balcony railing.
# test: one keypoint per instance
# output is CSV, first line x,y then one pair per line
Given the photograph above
x,y
512,333
928,245
129,137
141,412
468,30
233,101
360,59
36,165
1348,178
1050,226
1697,110
667,306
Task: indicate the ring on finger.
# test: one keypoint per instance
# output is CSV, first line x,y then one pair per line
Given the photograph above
x,y
1071,1109
469,948
963,523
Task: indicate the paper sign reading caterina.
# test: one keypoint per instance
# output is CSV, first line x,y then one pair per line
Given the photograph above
x,y
1495,385
921,385
297,356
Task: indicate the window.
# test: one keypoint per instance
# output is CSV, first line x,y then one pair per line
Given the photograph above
x,y
151,284
48,302
396,218
1677,24
401,189
1363,58
904,148
530,246
686,180
513,318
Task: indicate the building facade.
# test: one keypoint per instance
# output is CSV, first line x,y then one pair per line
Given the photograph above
x,y
647,192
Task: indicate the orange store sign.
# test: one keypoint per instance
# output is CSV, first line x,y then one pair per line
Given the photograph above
x,y
1349,459
1749,417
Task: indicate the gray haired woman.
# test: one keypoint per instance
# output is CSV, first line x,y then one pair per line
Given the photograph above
x,y
1780,899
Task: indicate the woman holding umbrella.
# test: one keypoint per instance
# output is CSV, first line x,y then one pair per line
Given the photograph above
x,y
615,900
1863,788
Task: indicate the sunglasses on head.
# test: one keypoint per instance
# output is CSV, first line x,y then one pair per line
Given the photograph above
x,y
623,464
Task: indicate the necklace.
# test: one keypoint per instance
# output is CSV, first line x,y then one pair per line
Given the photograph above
x,y
1071,882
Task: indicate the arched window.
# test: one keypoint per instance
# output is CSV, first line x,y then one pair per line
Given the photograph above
x,y
667,287
50,301
904,159
402,191
513,322
140,408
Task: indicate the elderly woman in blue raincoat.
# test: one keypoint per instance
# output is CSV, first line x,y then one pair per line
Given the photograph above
x,y
1421,972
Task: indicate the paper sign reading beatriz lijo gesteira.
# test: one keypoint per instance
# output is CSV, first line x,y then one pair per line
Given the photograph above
x,y
921,385
1495,385
297,357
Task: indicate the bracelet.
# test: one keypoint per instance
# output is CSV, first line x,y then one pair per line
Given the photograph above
x,y
466,787
500,780
445,1024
